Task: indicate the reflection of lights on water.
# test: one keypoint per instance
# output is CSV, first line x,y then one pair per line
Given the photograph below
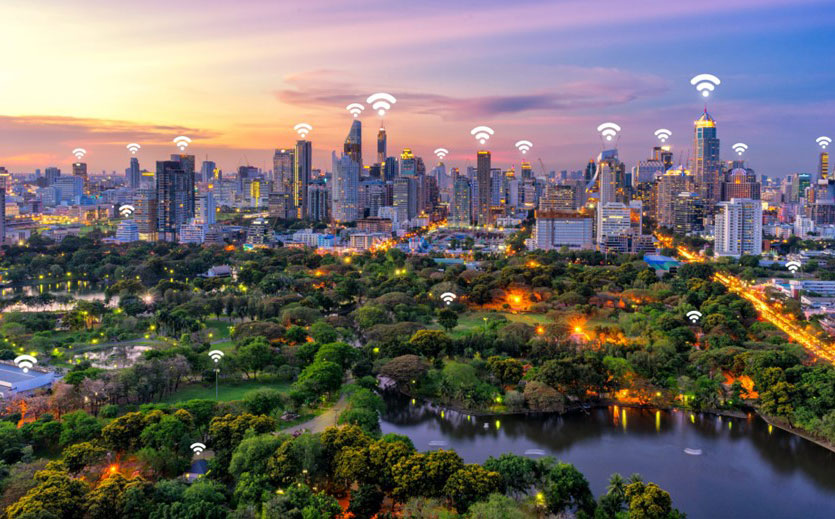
x,y
770,428
442,414
692,418
413,401
623,418
657,420
498,424
730,425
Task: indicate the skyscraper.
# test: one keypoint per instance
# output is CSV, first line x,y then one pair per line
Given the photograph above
x,y
484,188
318,196
175,198
345,188
283,160
134,174
3,208
303,157
51,174
706,164
79,169
739,228
208,170
461,202
381,146
823,165
186,163
391,169
353,143
408,163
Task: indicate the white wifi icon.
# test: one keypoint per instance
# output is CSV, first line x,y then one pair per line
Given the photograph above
x,y
694,316
302,129
216,355
441,153
823,141
793,266
126,210
740,148
482,133
448,297
79,153
182,142
198,447
663,134
355,109
608,130
25,362
705,83
381,102
524,146
133,148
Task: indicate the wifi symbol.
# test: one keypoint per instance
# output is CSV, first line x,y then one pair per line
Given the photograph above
x,y
524,146
182,142
608,130
823,141
441,153
705,83
133,147
694,316
302,129
448,297
355,109
381,102
79,153
198,447
740,148
126,210
793,266
25,362
482,133
216,355
663,134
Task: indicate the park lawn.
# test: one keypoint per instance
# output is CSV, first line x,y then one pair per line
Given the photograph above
x,y
218,328
227,392
475,320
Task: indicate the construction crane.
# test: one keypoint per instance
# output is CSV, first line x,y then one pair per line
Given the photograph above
x,y
542,165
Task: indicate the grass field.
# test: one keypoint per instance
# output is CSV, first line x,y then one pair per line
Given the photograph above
x,y
475,320
226,392
218,328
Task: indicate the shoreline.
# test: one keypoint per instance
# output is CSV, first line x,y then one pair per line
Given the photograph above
x,y
609,403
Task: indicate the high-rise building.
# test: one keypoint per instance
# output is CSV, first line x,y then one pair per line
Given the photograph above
x,y
527,172
461,202
706,163
175,198
3,179
484,188
70,188
391,169
318,196
823,165
611,177
669,185
283,163
127,231
79,169
206,209
51,174
353,143
741,183
303,158
405,198
145,213
187,163
688,213
559,198
556,229
408,163
739,228
134,174
381,146
209,171
345,188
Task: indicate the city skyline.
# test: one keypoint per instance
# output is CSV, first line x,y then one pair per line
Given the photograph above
x,y
238,96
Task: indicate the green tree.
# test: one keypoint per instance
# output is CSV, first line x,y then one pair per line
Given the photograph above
x,y
497,506
469,484
649,501
365,501
425,474
57,495
430,343
320,377
253,356
566,489
448,319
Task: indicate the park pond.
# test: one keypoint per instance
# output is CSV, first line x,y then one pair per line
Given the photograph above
x,y
712,466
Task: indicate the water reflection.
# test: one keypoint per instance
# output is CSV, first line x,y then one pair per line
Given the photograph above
x,y
747,467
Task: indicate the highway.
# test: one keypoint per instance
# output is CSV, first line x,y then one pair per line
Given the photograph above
x,y
786,323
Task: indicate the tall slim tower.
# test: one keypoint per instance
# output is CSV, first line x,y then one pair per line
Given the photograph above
x,y
484,188
283,164
134,175
79,169
301,176
3,179
381,146
353,143
186,182
823,165
172,193
706,164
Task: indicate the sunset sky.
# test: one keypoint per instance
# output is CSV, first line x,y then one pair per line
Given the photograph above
x,y
236,76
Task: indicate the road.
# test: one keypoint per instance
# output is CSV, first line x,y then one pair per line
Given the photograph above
x,y
814,345
319,423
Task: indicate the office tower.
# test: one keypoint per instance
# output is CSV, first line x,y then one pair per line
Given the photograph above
x,y
318,195
617,225
527,173
558,198
51,174
611,178
186,163
353,143
345,188
555,229
127,231
280,205
283,164
145,213
706,164
206,209
391,169
823,165
484,190
372,196
497,186
303,156
381,146
739,228
134,174
3,179
408,163
741,183
208,171
70,188
688,213
461,202
669,185
79,169
405,198
175,198
589,171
